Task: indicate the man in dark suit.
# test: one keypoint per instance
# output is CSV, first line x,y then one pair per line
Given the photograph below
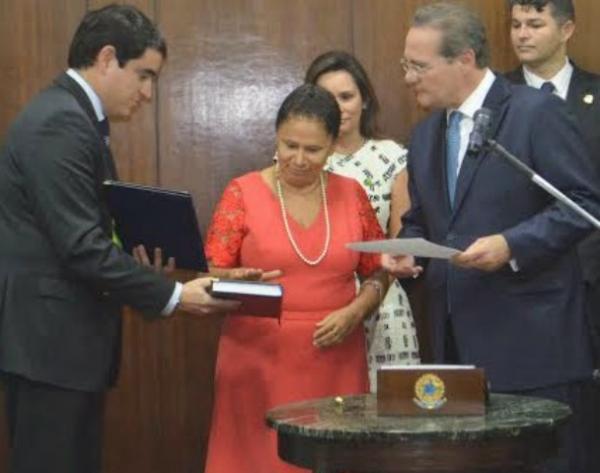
x,y
540,31
62,280
512,300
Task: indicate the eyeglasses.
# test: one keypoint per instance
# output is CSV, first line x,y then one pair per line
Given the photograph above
x,y
418,68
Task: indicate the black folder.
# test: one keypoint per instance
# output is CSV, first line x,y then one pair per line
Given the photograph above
x,y
157,218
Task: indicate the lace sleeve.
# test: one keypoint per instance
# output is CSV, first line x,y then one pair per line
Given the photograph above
x,y
369,262
227,229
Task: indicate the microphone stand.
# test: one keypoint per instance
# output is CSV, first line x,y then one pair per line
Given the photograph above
x,y
540,181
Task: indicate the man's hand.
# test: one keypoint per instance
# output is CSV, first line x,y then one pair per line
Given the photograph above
x,y
487,253
141,256
401,266
195,299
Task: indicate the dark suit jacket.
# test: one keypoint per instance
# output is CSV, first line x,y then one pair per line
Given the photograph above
x,y
62,280
583,89
525,328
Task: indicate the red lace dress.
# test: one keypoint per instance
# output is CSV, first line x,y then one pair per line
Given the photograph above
x,y
263,362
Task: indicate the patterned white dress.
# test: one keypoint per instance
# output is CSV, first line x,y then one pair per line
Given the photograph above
x,y
390,332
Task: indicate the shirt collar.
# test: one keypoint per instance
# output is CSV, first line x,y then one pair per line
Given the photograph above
x,y
475,101
92,95
560,80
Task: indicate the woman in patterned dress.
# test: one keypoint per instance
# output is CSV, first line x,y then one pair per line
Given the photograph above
x,y
380,167
295,219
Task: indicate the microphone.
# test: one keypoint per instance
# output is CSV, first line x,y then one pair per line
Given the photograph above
x,y
481,130
480,138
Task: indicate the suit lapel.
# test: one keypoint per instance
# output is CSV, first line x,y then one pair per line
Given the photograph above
x,y
582,94
66,82
439,169
577,87
516,76
497,101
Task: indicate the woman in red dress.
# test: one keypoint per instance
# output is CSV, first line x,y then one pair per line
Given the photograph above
x,y
295,219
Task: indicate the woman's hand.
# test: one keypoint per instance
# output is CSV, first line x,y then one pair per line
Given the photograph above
x,y
334,328
141,256
246,274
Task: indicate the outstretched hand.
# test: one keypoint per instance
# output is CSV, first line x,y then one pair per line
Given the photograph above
x,y
253,274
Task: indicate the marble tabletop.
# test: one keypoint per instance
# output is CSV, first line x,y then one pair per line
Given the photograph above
x,y
354,418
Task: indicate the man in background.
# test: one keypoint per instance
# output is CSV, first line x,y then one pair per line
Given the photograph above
x,y
540,33
512,300
62,280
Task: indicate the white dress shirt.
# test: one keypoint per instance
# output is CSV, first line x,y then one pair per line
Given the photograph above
x,y
468,108
561,79
91,93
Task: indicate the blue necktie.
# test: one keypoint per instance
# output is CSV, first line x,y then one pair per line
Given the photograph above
x,y
548,87
452,150
104,129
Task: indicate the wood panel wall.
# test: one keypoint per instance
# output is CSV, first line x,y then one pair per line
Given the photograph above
x,y
230,64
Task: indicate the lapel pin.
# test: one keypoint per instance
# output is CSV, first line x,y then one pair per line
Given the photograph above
x,y
588,99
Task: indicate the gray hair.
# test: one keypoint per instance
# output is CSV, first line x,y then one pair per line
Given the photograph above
x,y
461,29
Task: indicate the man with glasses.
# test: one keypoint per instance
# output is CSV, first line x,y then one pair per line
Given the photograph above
x,y
512,300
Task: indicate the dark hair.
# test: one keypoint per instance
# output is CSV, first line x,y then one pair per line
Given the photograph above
x,y
461,29
332,61
561,10
124,27
314,102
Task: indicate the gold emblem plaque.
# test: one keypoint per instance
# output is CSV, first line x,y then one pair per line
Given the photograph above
x,y
430,392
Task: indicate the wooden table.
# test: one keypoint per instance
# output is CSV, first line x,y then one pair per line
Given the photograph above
x,y
326,435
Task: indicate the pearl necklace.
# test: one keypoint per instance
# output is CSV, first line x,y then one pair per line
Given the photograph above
x,y
288,231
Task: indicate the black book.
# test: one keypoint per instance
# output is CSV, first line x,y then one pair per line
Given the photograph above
x,y
157,218
262,299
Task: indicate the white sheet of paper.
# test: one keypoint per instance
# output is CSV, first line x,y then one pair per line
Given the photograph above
x,y
404,246
426,367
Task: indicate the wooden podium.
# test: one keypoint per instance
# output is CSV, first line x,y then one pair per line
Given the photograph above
x,y
431,390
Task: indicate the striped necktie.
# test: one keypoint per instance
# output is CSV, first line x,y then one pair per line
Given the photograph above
x,y
104,129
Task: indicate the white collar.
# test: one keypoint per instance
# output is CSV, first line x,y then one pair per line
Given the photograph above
x,y
560,80
92,95
475,101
